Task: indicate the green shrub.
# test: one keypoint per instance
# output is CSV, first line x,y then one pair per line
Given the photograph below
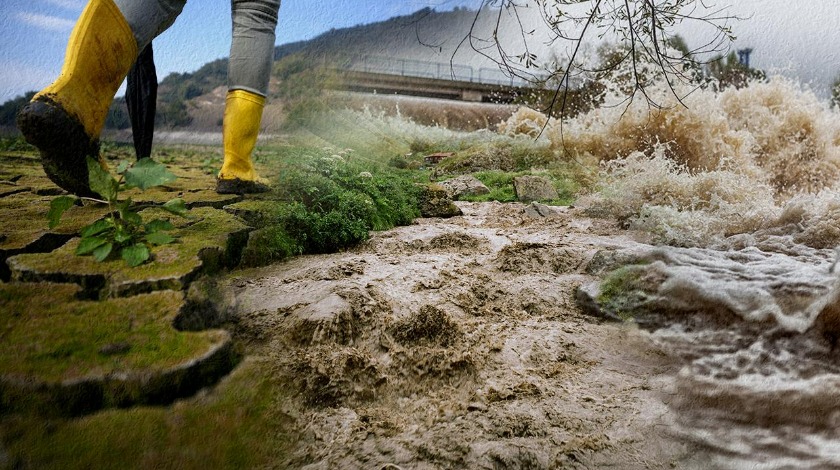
x,y
269,244
398,161
328,203
500,184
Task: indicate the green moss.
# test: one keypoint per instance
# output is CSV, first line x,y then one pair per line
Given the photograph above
x,y
25,221
256,212
236,426
207,241
15,144
328,201
50,336
625,291
193,185
268,245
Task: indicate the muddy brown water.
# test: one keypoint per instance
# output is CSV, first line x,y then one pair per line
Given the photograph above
x,y
458,344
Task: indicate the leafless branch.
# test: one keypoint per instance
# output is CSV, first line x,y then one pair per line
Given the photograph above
x,y
644,30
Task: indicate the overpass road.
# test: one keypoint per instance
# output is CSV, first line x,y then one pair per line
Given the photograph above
x,y
384,75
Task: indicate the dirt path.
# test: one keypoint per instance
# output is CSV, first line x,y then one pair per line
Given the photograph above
x,y
457,344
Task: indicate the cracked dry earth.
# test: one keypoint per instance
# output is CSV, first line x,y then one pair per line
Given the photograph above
x,y
457,344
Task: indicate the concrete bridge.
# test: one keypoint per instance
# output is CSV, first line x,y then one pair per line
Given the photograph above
x,y
384,75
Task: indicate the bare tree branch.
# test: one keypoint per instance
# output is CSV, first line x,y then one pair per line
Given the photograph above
x,y
644,29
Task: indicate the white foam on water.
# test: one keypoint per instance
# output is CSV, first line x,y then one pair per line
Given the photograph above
x,y
741,189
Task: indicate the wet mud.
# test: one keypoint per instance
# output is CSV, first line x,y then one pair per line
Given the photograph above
x,y
458,343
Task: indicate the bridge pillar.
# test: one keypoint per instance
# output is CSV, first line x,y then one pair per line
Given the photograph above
x,y
471,95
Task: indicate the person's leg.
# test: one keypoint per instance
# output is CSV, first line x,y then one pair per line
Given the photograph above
x,y
251,58
65,119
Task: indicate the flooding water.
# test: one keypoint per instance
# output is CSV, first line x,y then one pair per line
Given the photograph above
x,y
740,191
761,380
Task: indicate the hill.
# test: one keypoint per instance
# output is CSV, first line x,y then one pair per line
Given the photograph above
x,y
426,35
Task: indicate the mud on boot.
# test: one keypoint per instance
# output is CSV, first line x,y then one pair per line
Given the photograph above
x,y
62,142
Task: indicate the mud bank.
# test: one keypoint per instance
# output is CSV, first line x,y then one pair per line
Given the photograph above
x,y
458,344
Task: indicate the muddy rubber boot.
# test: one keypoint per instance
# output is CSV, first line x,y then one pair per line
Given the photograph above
x,y
243,113
65,119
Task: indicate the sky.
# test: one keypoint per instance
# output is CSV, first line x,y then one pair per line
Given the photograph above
x,y
802,41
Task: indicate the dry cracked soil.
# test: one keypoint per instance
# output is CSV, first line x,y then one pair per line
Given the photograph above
x,y
457,343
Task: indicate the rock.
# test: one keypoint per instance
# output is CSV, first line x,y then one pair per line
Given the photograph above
x,y
534,188
435,202
586,297
607,260
539,211
465,185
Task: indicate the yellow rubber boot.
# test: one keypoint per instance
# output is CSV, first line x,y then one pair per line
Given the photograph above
x,y
65,119
243,113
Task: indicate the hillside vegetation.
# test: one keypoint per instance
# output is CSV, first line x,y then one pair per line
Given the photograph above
x,y
426,35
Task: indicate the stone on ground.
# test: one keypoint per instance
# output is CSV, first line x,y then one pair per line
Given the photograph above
x,y
464,185
534,188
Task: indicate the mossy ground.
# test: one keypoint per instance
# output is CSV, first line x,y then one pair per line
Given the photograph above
x,y
24,216
172,266
50,336
235,426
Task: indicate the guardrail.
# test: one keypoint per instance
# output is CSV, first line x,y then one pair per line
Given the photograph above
x,y
436,70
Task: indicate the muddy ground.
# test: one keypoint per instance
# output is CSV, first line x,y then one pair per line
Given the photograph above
x,y
458,343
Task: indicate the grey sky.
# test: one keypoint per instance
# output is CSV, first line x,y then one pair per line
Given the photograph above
x,y
797,38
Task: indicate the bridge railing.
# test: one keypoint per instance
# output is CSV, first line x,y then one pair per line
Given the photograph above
x,y
437,70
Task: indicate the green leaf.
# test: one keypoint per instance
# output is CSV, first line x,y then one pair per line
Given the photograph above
x,y
160,238
57,208
147,173
123,166
131,217
87,245
101,181
123,205
102,252
96,228
176,206
158,225
122,237
135,255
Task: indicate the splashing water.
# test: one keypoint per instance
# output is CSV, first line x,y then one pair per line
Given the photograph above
x,y
740,189
761,381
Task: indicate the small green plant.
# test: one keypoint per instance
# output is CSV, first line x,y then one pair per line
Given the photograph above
x,y
123,230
